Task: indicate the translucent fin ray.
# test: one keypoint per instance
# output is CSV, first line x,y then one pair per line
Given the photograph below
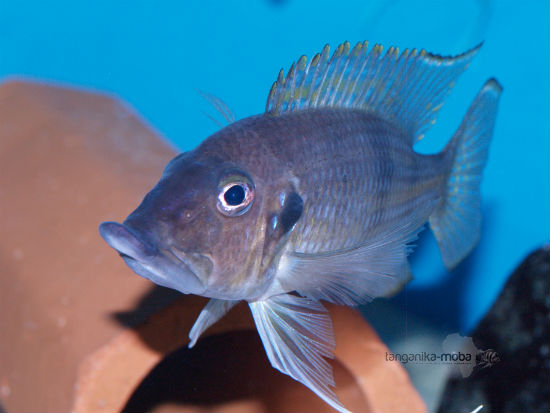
x,y
375,268
407,89
456,224
212,312
297,333
220,106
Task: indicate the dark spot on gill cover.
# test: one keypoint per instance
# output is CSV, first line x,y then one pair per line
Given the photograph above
x,y
280,224
292,211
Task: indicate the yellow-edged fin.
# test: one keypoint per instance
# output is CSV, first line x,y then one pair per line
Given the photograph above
x,y
407,89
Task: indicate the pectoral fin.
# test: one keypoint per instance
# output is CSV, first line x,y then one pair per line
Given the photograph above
x,y
297,335
376,268
212,312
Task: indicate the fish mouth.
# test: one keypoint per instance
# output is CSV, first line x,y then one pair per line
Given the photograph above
x,y
145,259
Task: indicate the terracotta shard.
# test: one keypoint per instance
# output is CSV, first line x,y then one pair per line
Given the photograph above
x,y
68,159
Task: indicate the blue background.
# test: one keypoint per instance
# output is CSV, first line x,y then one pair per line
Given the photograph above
x,y
155,55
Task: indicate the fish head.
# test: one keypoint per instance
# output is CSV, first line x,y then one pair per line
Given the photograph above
x,y
201,230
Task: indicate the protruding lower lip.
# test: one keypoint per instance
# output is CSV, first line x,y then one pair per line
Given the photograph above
x,y
146,260
122,239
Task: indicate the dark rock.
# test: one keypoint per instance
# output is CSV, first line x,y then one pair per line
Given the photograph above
x,y
515,375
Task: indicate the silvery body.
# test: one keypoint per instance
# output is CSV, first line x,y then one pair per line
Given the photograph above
x,y
316,199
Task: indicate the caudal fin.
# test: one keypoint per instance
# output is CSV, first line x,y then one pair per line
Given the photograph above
x,y
456,222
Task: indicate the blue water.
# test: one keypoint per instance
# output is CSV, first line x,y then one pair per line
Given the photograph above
x,y
155,55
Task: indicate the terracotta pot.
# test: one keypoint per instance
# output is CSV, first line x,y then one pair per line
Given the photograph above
x,y
80,331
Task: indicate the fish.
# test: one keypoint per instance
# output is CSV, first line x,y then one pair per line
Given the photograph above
x,y
318,198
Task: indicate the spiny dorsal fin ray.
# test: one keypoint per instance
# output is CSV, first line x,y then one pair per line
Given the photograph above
x,y
407,89
220,106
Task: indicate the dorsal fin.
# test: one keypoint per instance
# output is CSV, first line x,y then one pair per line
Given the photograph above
x,y
407,89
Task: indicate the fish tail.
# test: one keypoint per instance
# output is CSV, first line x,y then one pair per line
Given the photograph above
x,y
456,222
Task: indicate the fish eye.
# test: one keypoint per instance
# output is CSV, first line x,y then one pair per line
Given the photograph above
x,y
235,197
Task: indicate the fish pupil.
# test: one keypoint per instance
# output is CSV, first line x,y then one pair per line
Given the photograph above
x,y
234,195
